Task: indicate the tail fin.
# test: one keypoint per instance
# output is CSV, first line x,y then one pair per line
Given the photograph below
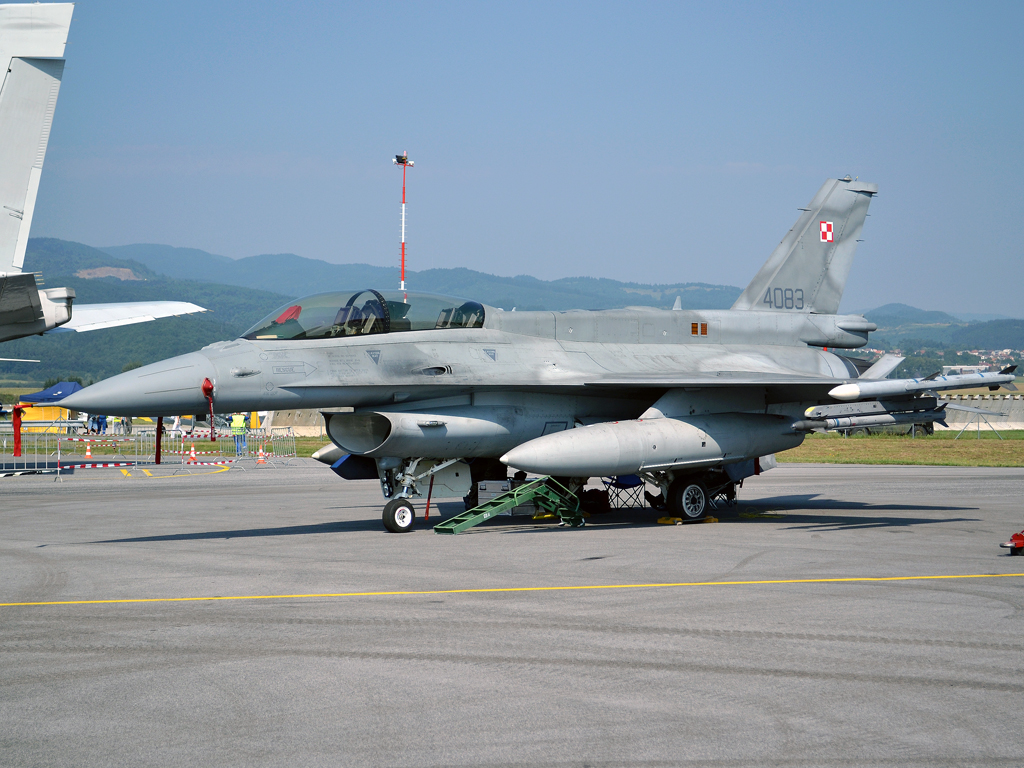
x,y
32,39
807,271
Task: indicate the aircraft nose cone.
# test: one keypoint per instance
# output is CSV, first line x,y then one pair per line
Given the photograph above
x,y
170,387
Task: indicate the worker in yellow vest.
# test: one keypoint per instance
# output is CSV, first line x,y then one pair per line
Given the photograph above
x,y
238,430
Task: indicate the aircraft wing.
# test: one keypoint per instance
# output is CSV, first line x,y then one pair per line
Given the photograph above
x,y
717,379
92,317
838,389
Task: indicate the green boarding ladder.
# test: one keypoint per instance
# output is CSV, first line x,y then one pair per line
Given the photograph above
x,y
546,492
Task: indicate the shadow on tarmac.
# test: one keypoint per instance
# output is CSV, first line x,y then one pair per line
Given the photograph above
x,y
767,510
243,533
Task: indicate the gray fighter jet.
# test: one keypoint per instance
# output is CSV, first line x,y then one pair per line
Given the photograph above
x,y
451,392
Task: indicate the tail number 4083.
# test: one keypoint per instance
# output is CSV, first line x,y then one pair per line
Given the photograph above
x,y
784,298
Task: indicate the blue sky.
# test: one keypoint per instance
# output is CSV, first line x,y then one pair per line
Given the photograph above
x,y
641,141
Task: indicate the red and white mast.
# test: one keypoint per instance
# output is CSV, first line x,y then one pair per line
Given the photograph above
x,y
404,161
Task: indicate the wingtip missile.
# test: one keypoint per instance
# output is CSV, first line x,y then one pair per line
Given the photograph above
x,y
894,387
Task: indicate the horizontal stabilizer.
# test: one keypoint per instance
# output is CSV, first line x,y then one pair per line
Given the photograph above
x,y
37,30
19,299
92,317
882,367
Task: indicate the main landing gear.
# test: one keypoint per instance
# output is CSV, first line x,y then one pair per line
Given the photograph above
x,y
688,498
693,495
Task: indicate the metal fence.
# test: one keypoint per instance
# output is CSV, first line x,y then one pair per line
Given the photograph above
x,y
60,446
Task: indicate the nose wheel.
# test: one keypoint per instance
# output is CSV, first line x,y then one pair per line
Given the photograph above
x,y
399,515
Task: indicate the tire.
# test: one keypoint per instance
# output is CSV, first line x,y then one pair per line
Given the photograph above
x,y
688,499
399,516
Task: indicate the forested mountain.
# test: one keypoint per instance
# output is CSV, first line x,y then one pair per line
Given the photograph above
x,y
297,275
901,325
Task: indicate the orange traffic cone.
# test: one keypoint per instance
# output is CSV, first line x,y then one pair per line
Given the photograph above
x,y
261,459
192,454
88,450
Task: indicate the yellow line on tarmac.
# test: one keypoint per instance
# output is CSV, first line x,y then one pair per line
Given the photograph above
x,y
851,579
147,473
191,474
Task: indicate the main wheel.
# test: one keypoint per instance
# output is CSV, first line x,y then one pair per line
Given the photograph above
x,y
688,498
399,515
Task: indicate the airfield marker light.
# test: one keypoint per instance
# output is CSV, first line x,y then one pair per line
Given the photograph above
x,y
404,161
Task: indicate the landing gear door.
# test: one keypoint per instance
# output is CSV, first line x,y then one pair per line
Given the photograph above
x,y
453,480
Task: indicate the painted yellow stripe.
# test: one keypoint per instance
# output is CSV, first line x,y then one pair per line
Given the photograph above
x,y
407,593
190,474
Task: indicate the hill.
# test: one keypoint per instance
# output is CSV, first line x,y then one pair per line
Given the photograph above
x,y
298,276
99,354
904,314
995,334
900,325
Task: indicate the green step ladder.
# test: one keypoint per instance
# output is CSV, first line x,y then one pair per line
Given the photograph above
x,y
546,492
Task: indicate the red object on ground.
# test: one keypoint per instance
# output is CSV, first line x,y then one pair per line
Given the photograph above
x,y
292,313
17,429
1015,544
159,437
208,394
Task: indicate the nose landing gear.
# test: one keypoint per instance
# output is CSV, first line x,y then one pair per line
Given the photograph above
x,y
399,515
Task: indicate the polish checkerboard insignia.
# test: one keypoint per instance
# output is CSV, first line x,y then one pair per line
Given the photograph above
x,y
826,231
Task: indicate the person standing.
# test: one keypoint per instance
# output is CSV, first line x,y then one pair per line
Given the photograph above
x,y
238,431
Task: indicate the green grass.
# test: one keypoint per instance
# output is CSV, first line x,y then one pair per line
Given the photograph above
x,y
940,449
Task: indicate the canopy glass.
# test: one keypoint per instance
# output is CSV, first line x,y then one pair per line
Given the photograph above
x,y
362,313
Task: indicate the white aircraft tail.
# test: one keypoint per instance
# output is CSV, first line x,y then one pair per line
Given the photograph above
x,y
32,39
807,271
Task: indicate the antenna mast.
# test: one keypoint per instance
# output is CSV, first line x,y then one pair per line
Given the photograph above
x,y
404,161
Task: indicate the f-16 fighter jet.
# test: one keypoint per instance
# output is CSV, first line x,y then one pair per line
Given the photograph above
x,y
32,40
686,399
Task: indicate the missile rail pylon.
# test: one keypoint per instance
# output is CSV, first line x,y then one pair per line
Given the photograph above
x,y
546,492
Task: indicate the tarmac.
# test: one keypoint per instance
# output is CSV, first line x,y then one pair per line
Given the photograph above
x,y
837,616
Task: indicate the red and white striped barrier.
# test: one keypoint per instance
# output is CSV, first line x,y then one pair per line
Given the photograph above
x,y
100,465
110,440
210,463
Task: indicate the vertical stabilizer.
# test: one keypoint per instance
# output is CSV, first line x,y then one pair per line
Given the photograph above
x,y
807,271
32,39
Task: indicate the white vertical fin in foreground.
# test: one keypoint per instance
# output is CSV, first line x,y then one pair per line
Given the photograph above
x,y
32,40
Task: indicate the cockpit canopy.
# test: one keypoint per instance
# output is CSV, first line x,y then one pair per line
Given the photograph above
x,y
337,315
